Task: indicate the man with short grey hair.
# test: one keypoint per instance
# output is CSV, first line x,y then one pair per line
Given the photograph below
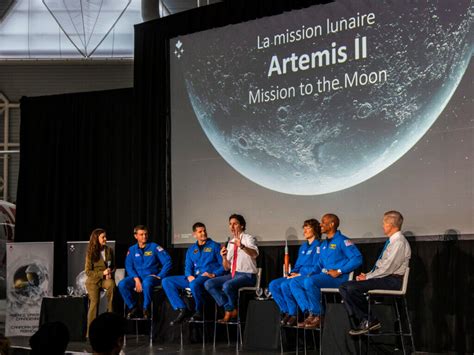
x,y
387,274
395,218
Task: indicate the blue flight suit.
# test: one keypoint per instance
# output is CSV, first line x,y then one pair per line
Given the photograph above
x,y
147,264
336,253
199,259
308,255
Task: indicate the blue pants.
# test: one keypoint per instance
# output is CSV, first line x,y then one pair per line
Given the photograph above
x,y
173,284
299,294
224,289
280,289
353,294
127,290
307,290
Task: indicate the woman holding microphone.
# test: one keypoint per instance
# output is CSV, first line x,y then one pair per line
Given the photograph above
x,y
99,268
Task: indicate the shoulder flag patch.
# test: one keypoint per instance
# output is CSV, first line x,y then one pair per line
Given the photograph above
x,y
159,248
348,242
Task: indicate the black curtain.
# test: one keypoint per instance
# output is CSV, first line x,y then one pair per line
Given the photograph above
x,y
75,171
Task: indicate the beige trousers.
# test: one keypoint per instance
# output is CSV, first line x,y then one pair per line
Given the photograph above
x,y
93,291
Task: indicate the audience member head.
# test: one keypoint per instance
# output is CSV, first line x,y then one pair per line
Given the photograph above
x,y
106,333
4,345
51,338
392,222
311,228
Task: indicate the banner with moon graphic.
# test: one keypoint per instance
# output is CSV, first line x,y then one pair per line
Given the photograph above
x,y
29,279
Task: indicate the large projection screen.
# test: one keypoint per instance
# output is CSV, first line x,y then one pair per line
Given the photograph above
x,y
353,107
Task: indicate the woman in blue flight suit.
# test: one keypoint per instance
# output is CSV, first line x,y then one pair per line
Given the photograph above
x,y
308,255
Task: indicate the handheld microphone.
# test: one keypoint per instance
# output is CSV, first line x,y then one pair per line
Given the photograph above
x,y
109,264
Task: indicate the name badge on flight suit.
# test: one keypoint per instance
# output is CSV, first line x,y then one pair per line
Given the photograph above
x,y
148,253
332,246
309,252
207,250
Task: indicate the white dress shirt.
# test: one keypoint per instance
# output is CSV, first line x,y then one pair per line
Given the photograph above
x,y
245,263
395,258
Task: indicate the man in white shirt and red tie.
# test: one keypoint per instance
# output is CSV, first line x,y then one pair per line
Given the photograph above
x,y
387,274
240,258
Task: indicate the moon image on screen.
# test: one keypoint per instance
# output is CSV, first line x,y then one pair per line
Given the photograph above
x,y
331,139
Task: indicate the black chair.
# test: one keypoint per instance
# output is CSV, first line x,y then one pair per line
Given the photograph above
x,y
238,323
297,335
324,293
204,321
140,319
323,299
396,295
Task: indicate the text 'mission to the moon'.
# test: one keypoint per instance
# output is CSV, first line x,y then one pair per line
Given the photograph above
x,y
332,55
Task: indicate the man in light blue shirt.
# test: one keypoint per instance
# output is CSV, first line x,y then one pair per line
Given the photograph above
x,y
387,274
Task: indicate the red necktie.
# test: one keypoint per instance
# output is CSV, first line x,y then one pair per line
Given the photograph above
x,y
234,261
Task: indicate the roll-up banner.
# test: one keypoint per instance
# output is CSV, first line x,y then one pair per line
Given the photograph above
x,y
29,279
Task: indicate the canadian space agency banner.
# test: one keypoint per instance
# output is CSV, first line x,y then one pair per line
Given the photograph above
x,y
7,232
29,279
354,107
